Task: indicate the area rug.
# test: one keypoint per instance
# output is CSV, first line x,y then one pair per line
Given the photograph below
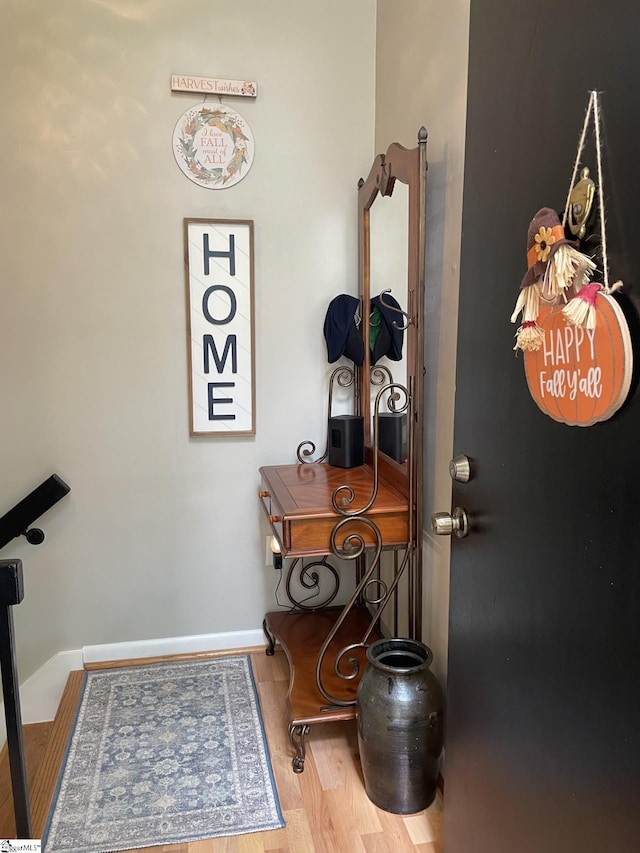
x,y
164,754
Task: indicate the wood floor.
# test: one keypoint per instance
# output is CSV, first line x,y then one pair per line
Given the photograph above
x,y
325,808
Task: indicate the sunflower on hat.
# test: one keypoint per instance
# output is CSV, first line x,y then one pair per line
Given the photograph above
x,y
544,240
554,265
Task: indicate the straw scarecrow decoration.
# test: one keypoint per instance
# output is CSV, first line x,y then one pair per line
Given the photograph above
x,y
555,269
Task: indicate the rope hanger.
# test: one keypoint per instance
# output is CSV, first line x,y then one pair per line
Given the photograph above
x,y
593,110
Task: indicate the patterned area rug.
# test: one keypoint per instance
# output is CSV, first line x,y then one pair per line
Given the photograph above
x,y
164,754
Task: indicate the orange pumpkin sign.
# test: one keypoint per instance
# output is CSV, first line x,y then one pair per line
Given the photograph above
x,y
581,376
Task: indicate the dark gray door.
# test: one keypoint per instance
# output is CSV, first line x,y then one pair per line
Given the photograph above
x,y
543,722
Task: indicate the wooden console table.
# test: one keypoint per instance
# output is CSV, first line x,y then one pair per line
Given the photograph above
x,y
297,500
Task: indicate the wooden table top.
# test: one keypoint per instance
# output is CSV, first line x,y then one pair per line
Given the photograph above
x,y
305,490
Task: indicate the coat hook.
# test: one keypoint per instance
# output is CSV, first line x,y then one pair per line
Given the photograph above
x,y
397,310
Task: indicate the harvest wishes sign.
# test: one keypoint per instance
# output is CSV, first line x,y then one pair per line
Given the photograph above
x,y
219,275
581,376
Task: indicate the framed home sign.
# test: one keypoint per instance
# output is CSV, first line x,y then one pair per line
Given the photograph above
x,y
220,326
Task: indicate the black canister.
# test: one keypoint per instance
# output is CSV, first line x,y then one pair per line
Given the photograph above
x,y
399,710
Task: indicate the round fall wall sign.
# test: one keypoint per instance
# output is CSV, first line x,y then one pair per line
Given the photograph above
x,y
213,146
581,376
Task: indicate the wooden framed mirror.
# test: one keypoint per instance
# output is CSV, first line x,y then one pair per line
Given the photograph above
x,y
391,212
391,224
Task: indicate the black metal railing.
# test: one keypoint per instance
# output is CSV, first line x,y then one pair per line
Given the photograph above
x,y
17,522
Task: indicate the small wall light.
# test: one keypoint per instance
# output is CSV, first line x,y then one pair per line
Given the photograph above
x,y
276,550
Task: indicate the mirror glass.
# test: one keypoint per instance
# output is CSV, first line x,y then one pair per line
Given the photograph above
x,y
388,246
389,262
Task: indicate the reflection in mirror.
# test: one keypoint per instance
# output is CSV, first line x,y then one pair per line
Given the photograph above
x,y
389,262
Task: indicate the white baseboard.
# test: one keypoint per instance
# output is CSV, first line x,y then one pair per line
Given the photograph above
x,y
40,694
172,646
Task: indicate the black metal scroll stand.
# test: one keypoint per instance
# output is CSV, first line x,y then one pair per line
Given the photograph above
x,y
12,592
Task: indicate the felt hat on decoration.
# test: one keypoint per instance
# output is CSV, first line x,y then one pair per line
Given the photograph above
x,y
342,330
544,237
386,338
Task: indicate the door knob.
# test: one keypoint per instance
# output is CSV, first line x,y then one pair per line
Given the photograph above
x,y
444,523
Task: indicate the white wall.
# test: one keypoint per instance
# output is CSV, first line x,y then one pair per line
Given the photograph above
x,y
421,79
162,534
